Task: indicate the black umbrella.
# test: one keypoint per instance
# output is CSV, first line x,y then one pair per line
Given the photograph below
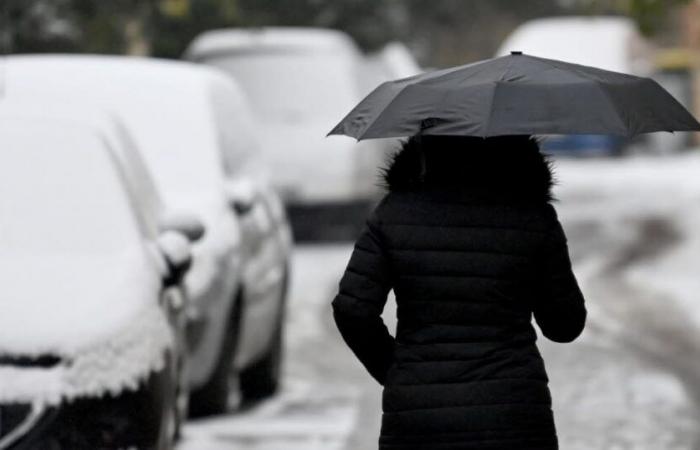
x,y
516,94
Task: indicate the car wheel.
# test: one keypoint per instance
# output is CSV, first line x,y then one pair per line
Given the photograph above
x,y
222,390
182,400
170,416
169,429
262,379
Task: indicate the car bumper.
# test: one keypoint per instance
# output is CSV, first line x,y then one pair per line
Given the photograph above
x,y
131,419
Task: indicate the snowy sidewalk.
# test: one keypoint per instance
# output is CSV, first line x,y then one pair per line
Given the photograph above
x,y
631,381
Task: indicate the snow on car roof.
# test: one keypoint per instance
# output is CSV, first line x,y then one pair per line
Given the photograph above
x,y
611,43
288,38
164,104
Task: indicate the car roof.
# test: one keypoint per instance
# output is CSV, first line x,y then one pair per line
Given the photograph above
x,y
606,42
165,104
240,39
189,77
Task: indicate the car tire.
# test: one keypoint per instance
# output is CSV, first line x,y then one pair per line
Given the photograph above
x,y
219,392
170,420
262,379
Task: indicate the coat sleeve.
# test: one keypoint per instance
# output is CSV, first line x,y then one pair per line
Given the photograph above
x,y
559,308
360,301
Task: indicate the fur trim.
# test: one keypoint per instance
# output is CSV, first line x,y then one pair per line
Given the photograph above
x,y
507,166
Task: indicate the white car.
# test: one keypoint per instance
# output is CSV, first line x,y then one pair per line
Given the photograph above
x,y
179,115
609,43
92,320
300,83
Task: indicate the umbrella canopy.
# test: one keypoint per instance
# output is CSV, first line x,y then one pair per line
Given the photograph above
x,y
516,94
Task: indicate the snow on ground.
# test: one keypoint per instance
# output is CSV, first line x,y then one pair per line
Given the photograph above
x,y
317,408
304,416
634,234
656,188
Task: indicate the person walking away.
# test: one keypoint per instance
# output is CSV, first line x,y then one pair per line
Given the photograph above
x,y
471,245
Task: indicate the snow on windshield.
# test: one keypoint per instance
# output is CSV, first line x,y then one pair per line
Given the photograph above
x,y
179,143
293,86
60,192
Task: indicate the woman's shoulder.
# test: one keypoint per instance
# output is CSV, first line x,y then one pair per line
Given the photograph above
x,y
421,207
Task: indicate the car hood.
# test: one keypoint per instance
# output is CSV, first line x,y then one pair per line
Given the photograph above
x,y
98,321
293,151
61,303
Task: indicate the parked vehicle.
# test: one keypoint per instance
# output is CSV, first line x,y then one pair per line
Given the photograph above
x,y
300,82
179,115
611,43
92,323
267,242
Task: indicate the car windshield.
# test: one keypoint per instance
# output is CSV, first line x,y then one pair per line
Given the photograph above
x,y
294,85
60,192
178,138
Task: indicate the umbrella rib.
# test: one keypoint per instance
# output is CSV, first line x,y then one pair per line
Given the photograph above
x,y
449,71
487,127
602,87
389,103
606,94
418,82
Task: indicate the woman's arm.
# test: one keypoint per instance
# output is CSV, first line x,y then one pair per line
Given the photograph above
x,y
559,309
361,298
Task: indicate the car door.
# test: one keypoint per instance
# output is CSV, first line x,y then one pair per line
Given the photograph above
x,y
264,273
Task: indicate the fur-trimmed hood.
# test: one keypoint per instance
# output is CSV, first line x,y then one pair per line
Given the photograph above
x,y
507,167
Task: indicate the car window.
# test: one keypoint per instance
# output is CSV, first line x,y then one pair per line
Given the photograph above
x,y
138,178
60,192
178,139
235,127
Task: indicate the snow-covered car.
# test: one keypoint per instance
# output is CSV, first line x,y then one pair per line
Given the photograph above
x,y
610,43
237,282
267,238
300,82
92,322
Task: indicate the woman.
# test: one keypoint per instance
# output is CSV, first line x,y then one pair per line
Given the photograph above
x,y
469,242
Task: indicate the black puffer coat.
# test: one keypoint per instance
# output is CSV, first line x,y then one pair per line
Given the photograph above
x,y
471,246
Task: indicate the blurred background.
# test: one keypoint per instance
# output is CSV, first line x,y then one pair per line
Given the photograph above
x,y
275,374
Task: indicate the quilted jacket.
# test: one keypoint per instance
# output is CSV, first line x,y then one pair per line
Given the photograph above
x,y
469,242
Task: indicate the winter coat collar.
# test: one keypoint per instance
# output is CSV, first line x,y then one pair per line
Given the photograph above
x,y
508,169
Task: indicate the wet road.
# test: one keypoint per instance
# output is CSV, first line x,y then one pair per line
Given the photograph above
x,y
632,381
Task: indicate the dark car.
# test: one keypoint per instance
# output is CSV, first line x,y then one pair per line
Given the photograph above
x,y
92,318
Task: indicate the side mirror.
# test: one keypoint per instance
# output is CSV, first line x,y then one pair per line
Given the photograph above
x,y
177,252
240,195
185,224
